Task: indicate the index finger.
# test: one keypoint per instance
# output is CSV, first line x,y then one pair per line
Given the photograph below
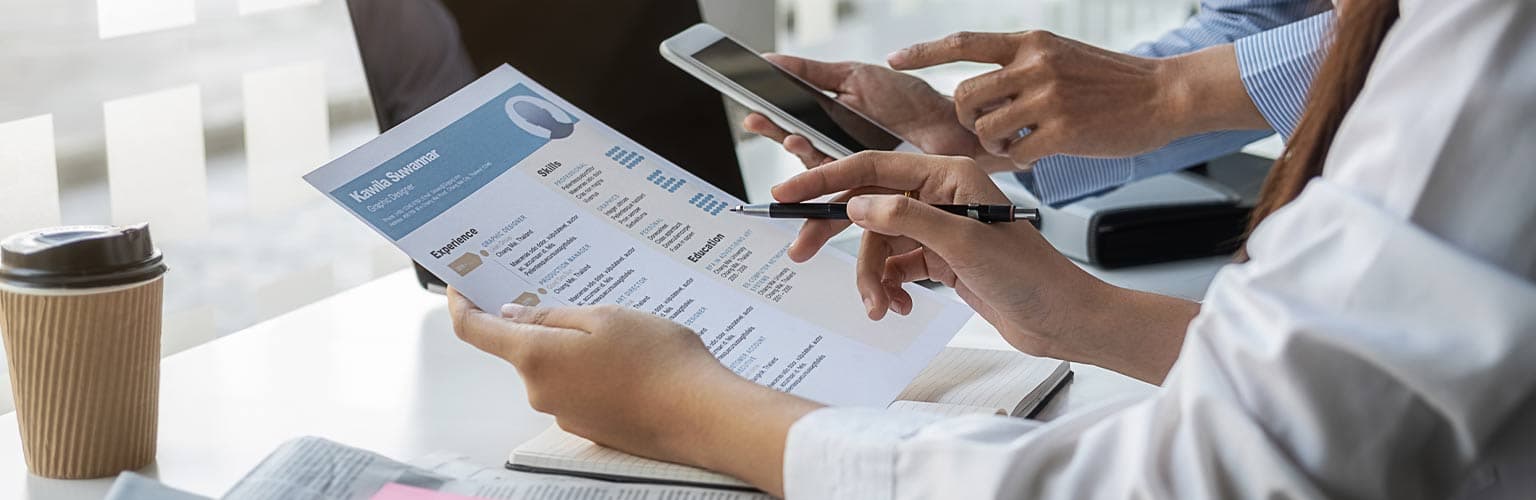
x,y
996,48
895,171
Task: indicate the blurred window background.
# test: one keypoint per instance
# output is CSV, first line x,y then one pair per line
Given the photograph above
x,y
199,116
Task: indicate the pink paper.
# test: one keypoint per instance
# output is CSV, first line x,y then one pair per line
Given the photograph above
x,y
396,491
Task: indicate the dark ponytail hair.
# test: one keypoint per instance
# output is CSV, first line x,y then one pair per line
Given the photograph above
x,y
1360,28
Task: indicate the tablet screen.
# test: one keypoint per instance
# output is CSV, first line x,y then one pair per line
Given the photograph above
x,y
794,97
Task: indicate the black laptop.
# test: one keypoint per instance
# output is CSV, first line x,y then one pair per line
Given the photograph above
x,y
600,55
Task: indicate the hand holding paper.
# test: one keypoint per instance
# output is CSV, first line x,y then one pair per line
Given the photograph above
x,y
513,195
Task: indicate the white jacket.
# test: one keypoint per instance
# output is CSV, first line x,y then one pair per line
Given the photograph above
x,y
1381,343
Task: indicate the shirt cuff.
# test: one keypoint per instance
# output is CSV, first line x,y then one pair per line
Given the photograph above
x,y
847,452
1277,66
1059,179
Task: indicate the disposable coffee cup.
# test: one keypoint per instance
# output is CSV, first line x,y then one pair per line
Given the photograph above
x,y
80,313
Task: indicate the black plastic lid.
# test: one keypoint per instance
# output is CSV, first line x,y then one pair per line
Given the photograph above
x,y
80,257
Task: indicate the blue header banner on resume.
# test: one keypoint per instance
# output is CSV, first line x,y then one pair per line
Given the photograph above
x,y
421,183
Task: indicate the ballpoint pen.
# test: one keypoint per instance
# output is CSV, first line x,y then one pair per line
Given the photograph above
x,y
983,213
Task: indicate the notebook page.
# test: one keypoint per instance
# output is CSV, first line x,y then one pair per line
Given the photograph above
x,y
1008,381
559,450
944,409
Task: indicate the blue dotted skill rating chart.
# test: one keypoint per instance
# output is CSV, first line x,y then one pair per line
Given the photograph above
x,y
708,203
629,159
668,183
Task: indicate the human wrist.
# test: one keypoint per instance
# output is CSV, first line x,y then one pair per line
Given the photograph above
x,y
1138,334
725,408
698,398
1177,108
1203,91
740,428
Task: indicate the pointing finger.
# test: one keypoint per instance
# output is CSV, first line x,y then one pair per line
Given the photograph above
x,y
996,48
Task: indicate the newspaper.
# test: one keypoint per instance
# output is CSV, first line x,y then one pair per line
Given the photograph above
x,y
311,468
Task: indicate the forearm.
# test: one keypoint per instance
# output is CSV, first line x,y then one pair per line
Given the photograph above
x,y
1205,93
741,430
1138,334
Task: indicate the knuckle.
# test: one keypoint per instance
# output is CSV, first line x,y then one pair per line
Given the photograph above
x,y
606,315
859,72
964,90
881,211
1036,37
867,155
965,104
987,126
960,40
539,316
899,208
959,168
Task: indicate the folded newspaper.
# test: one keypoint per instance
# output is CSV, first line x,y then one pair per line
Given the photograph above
x,y
311,468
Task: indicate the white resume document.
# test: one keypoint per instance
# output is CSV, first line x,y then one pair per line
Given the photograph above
x,y
511,194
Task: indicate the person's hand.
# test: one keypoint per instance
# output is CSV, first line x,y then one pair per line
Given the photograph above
x,y
1008,273
608,373
902,103
1055,95
1039,301
637,383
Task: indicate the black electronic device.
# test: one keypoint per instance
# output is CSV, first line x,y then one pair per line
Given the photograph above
x,y
598,54
1201,212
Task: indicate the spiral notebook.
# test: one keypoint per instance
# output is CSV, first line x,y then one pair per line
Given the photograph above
x,y
960,381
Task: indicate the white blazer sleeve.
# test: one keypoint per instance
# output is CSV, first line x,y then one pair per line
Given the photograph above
x,y
1378,344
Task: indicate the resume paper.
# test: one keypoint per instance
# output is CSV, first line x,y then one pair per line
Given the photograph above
x,y
511,194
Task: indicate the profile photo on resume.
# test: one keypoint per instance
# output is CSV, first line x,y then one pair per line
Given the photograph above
x,y
540,117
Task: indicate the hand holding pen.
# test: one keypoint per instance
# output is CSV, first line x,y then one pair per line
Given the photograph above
x,y
839,211
907,239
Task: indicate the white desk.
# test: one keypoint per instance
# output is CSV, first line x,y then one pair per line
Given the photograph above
x,y
378,367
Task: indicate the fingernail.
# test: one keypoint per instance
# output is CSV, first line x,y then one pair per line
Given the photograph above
x,y
895,57
869,305
512,311
858,207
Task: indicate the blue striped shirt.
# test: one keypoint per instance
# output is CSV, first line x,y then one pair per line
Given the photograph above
x,y
1279,44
